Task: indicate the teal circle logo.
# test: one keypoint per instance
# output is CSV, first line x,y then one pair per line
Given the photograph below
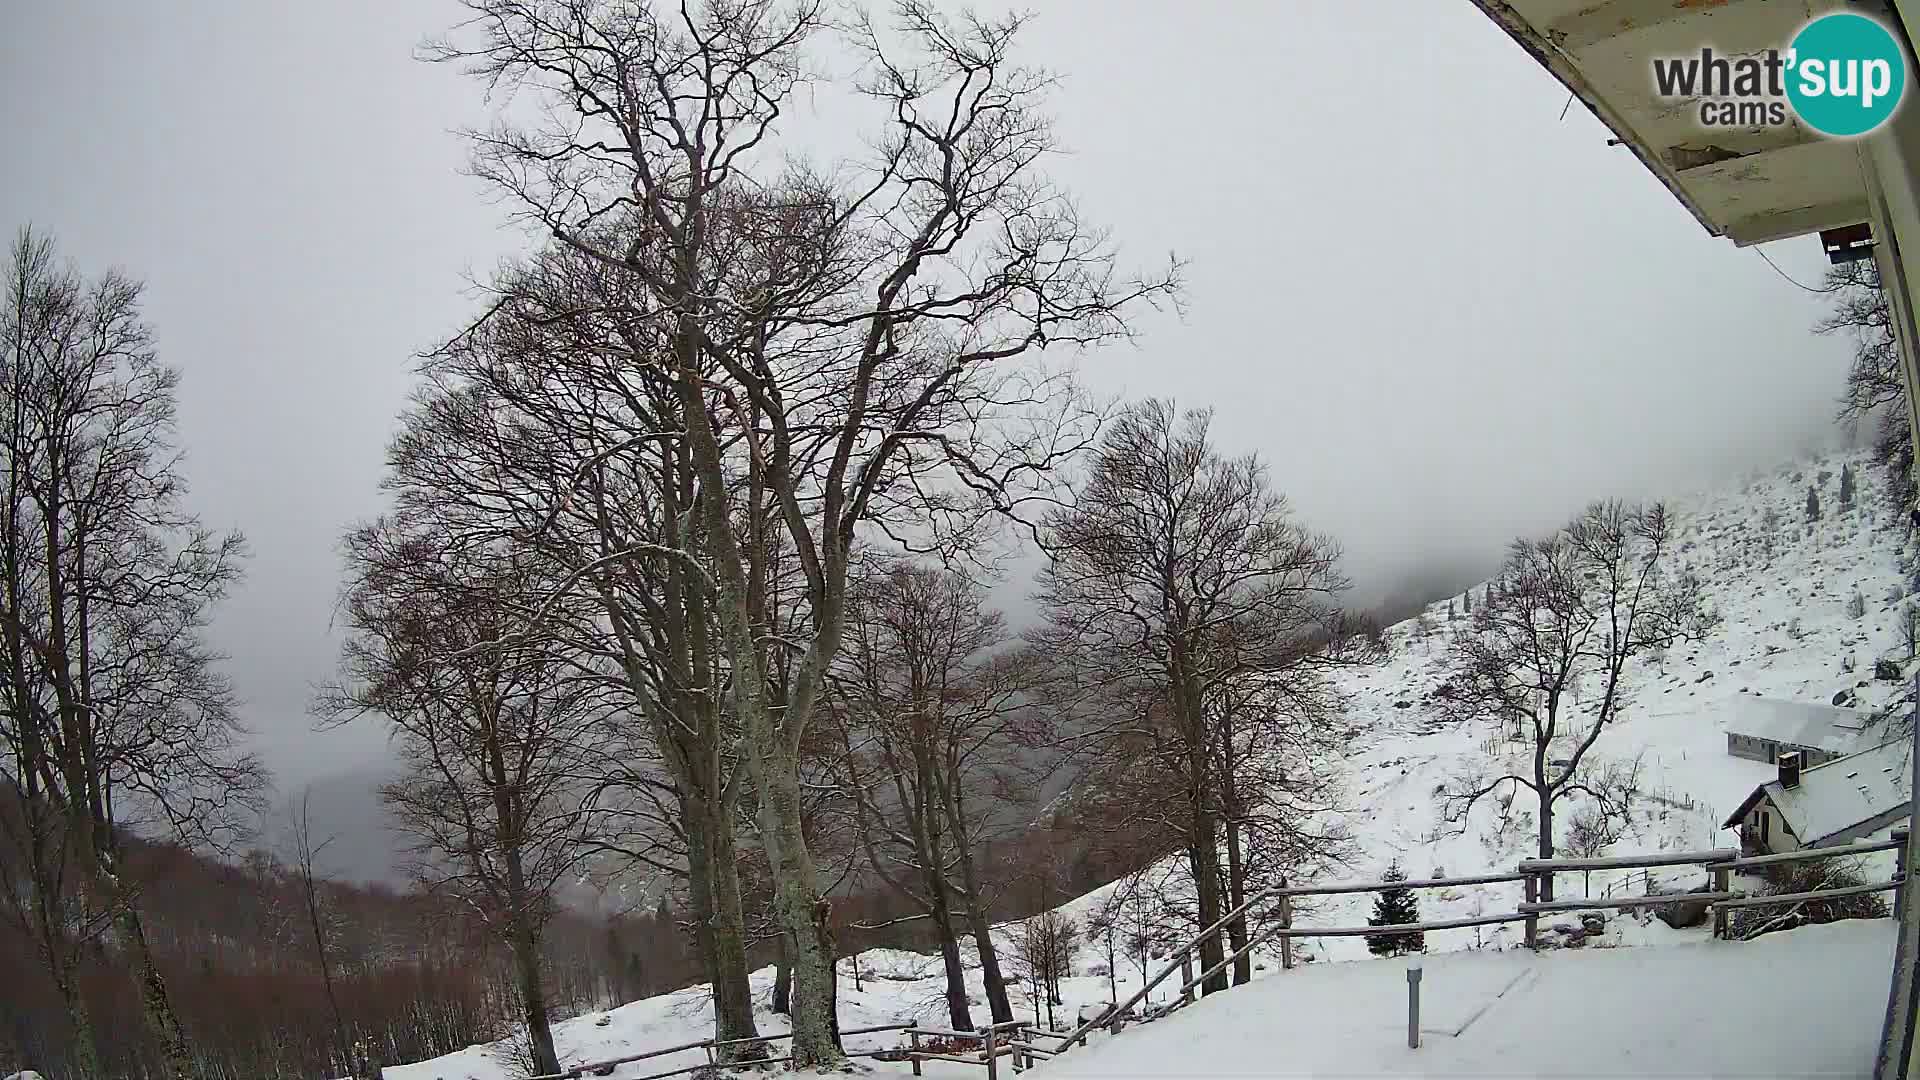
x,y
1845,74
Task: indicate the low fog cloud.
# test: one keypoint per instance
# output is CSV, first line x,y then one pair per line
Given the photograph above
x,y
1443,314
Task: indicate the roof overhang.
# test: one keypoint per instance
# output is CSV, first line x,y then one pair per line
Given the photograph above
x,y
1750,185
1753,798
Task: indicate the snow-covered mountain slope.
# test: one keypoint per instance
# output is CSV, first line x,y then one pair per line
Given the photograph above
x,y
1783,588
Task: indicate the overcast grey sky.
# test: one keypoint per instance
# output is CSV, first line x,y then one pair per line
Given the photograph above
x,y
1442,313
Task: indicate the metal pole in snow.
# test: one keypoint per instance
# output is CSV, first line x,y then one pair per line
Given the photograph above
x,y
1413,1002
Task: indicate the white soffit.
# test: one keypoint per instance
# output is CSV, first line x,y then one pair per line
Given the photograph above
x,y
1750,185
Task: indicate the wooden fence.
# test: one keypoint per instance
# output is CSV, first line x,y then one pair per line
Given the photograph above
x,y
712,1048
1536,876
1022,1042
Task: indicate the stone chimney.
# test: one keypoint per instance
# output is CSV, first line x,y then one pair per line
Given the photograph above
x,y
1789,762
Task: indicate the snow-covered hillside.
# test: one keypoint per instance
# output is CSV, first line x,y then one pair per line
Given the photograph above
x,y
1782,587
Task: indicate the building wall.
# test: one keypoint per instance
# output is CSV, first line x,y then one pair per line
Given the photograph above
x,y
1779,837
1767,751
1751,747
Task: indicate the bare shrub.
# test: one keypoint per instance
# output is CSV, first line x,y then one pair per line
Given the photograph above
x,y
1804,877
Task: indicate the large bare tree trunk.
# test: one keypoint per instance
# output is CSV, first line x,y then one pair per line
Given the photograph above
x,y
1203,849
990,974
533,998
796,898
1546,793
957,1010
782,975
1546,840
713,886
525,941
522,928
155,1005
732,995
84,1053
1203,858
772,747
926,815
1237,895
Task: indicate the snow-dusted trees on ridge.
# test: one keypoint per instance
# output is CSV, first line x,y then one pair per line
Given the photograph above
x,y
1192,616
1547,653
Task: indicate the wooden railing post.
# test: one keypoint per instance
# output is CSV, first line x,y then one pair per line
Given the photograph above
x,y
1186,977
1900,874
1722,882
993,1065
1532,887
913,1054
1286,923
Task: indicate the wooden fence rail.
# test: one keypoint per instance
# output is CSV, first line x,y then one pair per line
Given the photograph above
x,y
1021,1042
1740,900
1374,886
992,1048
709,1045
1838,851
1536,875
1626,862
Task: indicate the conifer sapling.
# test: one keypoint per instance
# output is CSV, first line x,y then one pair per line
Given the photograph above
x,y
1394,907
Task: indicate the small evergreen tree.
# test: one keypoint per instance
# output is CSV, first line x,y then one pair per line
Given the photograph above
x,y
1394,907
1451,614
1813,505
1846,486
1466,602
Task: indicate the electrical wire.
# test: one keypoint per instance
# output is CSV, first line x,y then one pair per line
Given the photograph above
x,y
1787,276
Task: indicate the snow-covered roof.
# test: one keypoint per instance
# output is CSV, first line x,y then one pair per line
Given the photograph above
x,y
1837,795
1820,727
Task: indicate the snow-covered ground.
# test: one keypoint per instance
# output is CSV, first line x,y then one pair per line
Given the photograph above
x,y
1782,587
1804,1003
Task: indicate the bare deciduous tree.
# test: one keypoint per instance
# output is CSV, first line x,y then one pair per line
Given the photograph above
x,y
116,715
931,710
837,341
1876,391
1046,945
303,851
490,737
1194,614
528,401
1572,610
